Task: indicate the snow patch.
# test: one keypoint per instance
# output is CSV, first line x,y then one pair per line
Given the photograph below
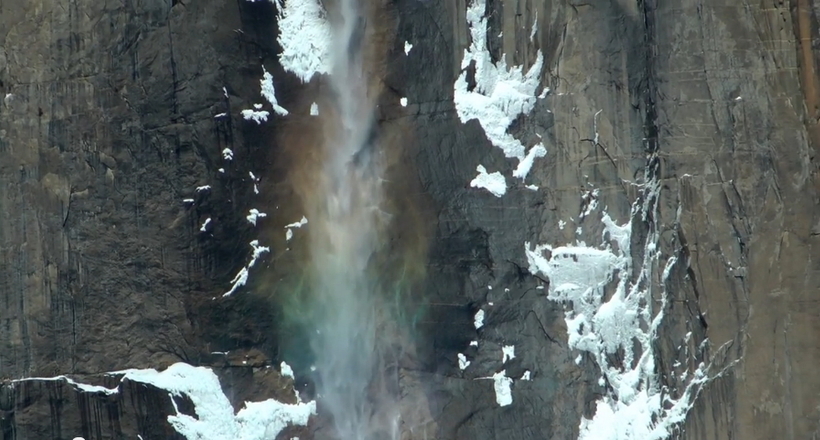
x,y
255,115
478,321
407,47
507,353
501,93
526,375
187,200
204,227
255,181
203,188
473,343
227,154
525,165
241,278
269,92
502,386
534,28
305,36
492,182
314,109
289,228
403,102
220,115
254,215
286,371
215,419
463,363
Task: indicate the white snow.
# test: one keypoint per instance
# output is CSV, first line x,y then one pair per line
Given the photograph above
x,y
215,419
532,187
269,92
255,115
203,188
221,170
525,165
220,115
305,36
187,200
288,234
298,224
403,102
241,277
534,27
225,92
526,375
635,406
254,215
492,182
314,109
463,363
407,47
561,224
285,370
502,385
74,384
204,227
227,154
544,95
507,353
501,93
255,181
479,319
473,343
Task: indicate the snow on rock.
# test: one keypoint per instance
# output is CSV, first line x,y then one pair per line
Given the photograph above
x,y
74,384
289,228
403,102
258,116
205,224
269,93
492,182
227,154
187,200
220,115
203,188
526,376
501,93
502,386
636,405
407,47
525,165
215,418
314,109
463,363
305,37
255,181
285,370
254,215
241,277
534,28
478,321
473,343
507,353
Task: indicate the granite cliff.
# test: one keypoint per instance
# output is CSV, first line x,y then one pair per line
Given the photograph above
x,y
127,173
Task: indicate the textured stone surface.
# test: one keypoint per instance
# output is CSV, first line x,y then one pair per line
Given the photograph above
x,y
108,124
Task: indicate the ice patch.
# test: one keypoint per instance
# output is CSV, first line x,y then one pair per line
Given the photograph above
x,y
507,353
254,215
255,115
241,278
305,36
478,321
502,386
314,109
501,93
215,419
74,384
463,363
492,182
269,92
285,370
525,165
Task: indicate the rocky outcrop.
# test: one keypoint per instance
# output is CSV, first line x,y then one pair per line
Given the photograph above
x,y
110,122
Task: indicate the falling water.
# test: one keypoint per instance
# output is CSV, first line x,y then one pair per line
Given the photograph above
x,y
343,239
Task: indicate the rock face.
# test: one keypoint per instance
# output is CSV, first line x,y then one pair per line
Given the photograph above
x,y
112,118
